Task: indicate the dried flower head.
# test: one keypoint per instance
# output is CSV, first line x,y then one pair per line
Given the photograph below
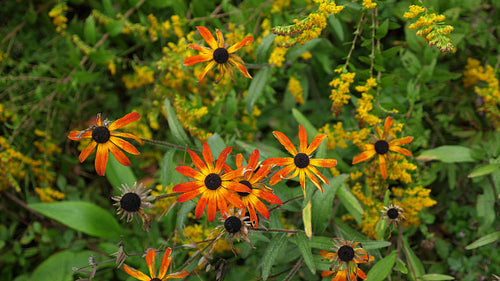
x,y
132,201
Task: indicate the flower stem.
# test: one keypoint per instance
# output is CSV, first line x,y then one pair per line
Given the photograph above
x,y
159,197
275,230
166,144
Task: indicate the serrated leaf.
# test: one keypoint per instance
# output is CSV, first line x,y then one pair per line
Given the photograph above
x,y
182,215
323,203
82,216
305,249
58,267
264,46
382,268
447,154
484,170
485,240
435,277
275,247
350,202
117,174
256,88
175,126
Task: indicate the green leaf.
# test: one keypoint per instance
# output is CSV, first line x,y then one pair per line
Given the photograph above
x,y
294,53
263,48
256,88
337,27
306,218
302,120
305,249
167,170
216,144
323,204
350,202
82,216
484,170
89,30
159,3
117,174
372,245
414,262
382,30
182,215
401,266
275,247
59,266
101,56
485,207
485,240
115,27
175,126
447,154
435,276
382,268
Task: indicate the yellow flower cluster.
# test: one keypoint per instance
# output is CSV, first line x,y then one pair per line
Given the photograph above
x,y
278,6
57,13
47,146
128,27
340,92
48,194
189,114
175,23
489,91
336,136
277,56
413,200
143,76
369,4
197,232
6,115
365,104
400,168
431,28
296,89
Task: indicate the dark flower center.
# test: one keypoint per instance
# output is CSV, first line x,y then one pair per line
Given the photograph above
x,y
247,183
232,224
393,213
346,253
381,147
301,160
213,181
100,134
155,279
130,202
221,55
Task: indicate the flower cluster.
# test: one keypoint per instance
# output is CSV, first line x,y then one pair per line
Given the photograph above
x,y
58,15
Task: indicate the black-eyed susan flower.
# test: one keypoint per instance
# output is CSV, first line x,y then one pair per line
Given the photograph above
x,y
105,137
211,182
132,201
381,146
347,256
393,214
301,164
236,225
162,275
219,53
252,177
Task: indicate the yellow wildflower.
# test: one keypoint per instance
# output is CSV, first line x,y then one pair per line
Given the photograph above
x,y
48,194
369,4
296,89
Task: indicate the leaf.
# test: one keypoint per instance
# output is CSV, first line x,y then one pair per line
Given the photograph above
x,y
484,170
264,46
337,27
401,266
447,154
382,30
175,126
302,120
82,216
382,268
414,263
256,88
115,27
294,53
323,204
350,202
167,168
372,245
305,249
117,174
216,144
59,266
275,247
306,218
89,30
485,240
435,276
101,56
182,215
266,151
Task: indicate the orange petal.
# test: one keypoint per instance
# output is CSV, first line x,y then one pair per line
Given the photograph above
x,y
239,64
188,186
329,163
125,145
387,126
131,117
364,156
136,273
197,59
99,120
209,38
383,166
285,141
190,172
220,39
101,158
253,160
78,135
212,208
165,263
233,199
327,273
200,48
261,173
261,208
239,160
302,179
401,141
401,150
200,207
177,275
219,163
315,143
361,274
232,174
222,204
86,151
119,155
313,179
317,173
302,139
206,70
126,135
253,215
281,174
207,156
278,161
236,186
245,42
200,165
150,261
268,196
189,195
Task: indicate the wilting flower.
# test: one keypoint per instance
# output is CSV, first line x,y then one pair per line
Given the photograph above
x,y
301,164
105,137
132,201
393,214
252,175
219,54
150,260
382,145
211,182
345,260
236,224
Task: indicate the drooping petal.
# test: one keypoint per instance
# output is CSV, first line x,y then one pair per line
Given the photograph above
x,y
268,196
125,145
200,165
329,163
136,273
221,202
387,126
261,173
245,42
253,215
363,156
405,140
165,263
126,135
177,275
401,150
188,186
327,255
86,151
383,166
189,195
361,274
303,140
327,273
278,161
200,207
99,120
259,206
119,155
281,174
200,48
313,179
79,135
285,141
129,118
207,68
315,143
197,59
317,173
101,158
219,163
302,179
190,172
207,156
150,261
239,64
207,35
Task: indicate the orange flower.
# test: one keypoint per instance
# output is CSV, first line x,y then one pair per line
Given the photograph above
x,y
382,145
258,189
106,139
301,164
150,260
213,185
219,54
345,260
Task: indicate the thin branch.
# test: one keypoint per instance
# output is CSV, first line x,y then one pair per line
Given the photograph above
x,y
275,230
294,270
166,144
289,200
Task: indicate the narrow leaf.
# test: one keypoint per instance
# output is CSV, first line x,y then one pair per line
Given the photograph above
x,y
117,174
350,202
256,88
175,126
484,170
182,215
264,46
435,276
415,265
485,240
275,247
306,218
382,268
167,168
305,249
323,203
447,154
